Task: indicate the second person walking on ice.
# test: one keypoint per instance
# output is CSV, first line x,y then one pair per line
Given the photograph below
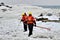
x,y
24,20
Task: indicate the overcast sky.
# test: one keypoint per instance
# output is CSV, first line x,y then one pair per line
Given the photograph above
x,y
32,2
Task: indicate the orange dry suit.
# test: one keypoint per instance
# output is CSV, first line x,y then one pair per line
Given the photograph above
x,y
31,20
24,18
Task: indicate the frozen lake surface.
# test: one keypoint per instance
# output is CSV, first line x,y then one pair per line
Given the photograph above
x,y
12,29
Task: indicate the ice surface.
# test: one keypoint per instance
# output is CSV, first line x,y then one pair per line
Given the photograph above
x,y
12,29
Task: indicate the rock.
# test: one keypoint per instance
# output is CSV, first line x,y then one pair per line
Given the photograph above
x,y
4,10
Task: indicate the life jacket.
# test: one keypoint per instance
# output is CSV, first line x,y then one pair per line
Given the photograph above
x,y
30,20
24,18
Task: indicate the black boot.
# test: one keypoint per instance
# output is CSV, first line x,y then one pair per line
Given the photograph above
x,y
29,35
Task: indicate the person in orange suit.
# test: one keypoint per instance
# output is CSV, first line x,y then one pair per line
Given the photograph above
x,y
31,22
24,20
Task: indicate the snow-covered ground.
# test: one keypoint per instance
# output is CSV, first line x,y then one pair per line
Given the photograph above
x,y
12,29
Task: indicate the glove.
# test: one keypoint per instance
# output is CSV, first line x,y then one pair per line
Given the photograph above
x,y
21,20
35,25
